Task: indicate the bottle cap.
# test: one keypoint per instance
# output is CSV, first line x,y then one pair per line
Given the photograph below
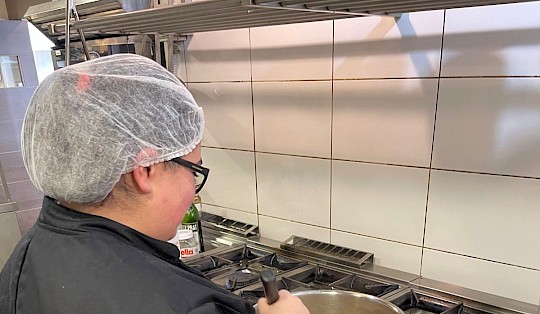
x,y
184,234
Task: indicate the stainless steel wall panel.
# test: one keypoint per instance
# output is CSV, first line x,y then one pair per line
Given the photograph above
x,y
14,102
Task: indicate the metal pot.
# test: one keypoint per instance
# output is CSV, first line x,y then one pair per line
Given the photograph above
x,y
338,302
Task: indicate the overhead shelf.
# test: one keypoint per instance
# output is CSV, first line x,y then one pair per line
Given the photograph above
x,y
213,15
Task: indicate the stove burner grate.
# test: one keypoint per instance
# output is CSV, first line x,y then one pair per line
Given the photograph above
x,y
364,285
280,262
413,302
319,277
206,264
240,279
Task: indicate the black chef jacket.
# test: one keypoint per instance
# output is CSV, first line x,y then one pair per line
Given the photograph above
x,y
71,262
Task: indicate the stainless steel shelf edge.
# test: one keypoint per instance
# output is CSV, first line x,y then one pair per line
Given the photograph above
x,y
201,16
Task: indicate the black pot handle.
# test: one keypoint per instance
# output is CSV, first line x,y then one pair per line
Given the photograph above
x,y
268,279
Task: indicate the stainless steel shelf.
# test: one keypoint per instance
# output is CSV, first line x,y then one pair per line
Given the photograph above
x,y
215,15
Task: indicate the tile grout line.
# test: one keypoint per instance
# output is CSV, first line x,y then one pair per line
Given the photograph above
x,y
332,127
376,79
253,127
378,163
432,145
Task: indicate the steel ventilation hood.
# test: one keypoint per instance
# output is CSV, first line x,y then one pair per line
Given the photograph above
x,y
102,18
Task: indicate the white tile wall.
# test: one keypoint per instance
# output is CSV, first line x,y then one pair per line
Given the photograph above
x,y
491,217
219,56
388,121
492,40
309,131
228,114
499,279
489,125
382,201
294,188
293,117
231,182
281,230
292,52
242,216
386,253
381,47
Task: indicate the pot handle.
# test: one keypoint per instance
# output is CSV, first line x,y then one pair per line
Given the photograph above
x,y
268,279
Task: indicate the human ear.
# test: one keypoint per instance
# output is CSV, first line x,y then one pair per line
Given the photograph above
x,y
141,175
141,179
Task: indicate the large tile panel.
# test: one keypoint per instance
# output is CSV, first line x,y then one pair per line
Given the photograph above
x,y
490,217
498,40
386,253
219,56
293,117
231,182
292,52
228,114
385,121
489,125
294,188
505,280
382,47
387,202
281,230
9,235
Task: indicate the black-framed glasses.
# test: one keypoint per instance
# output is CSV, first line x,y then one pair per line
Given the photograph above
x,y
200,173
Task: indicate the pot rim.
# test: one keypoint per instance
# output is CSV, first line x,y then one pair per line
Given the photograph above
x,y
350,293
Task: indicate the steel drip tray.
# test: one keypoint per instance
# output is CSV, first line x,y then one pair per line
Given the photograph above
x,y
328,252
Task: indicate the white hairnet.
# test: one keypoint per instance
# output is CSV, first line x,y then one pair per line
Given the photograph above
x,y
89,123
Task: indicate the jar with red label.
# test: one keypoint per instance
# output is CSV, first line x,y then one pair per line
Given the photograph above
x,y
187,244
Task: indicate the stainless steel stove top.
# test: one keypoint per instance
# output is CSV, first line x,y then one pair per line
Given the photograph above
x,y
237,255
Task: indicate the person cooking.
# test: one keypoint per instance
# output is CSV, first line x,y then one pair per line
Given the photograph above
x,y
114,144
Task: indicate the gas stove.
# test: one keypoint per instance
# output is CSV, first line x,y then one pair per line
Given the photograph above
x,y
237,255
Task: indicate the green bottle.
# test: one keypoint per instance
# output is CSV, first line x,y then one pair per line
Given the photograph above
x,y
192,221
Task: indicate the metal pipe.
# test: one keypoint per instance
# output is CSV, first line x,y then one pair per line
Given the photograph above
x,y
81,34
170,53
68,19
157,48
4,184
